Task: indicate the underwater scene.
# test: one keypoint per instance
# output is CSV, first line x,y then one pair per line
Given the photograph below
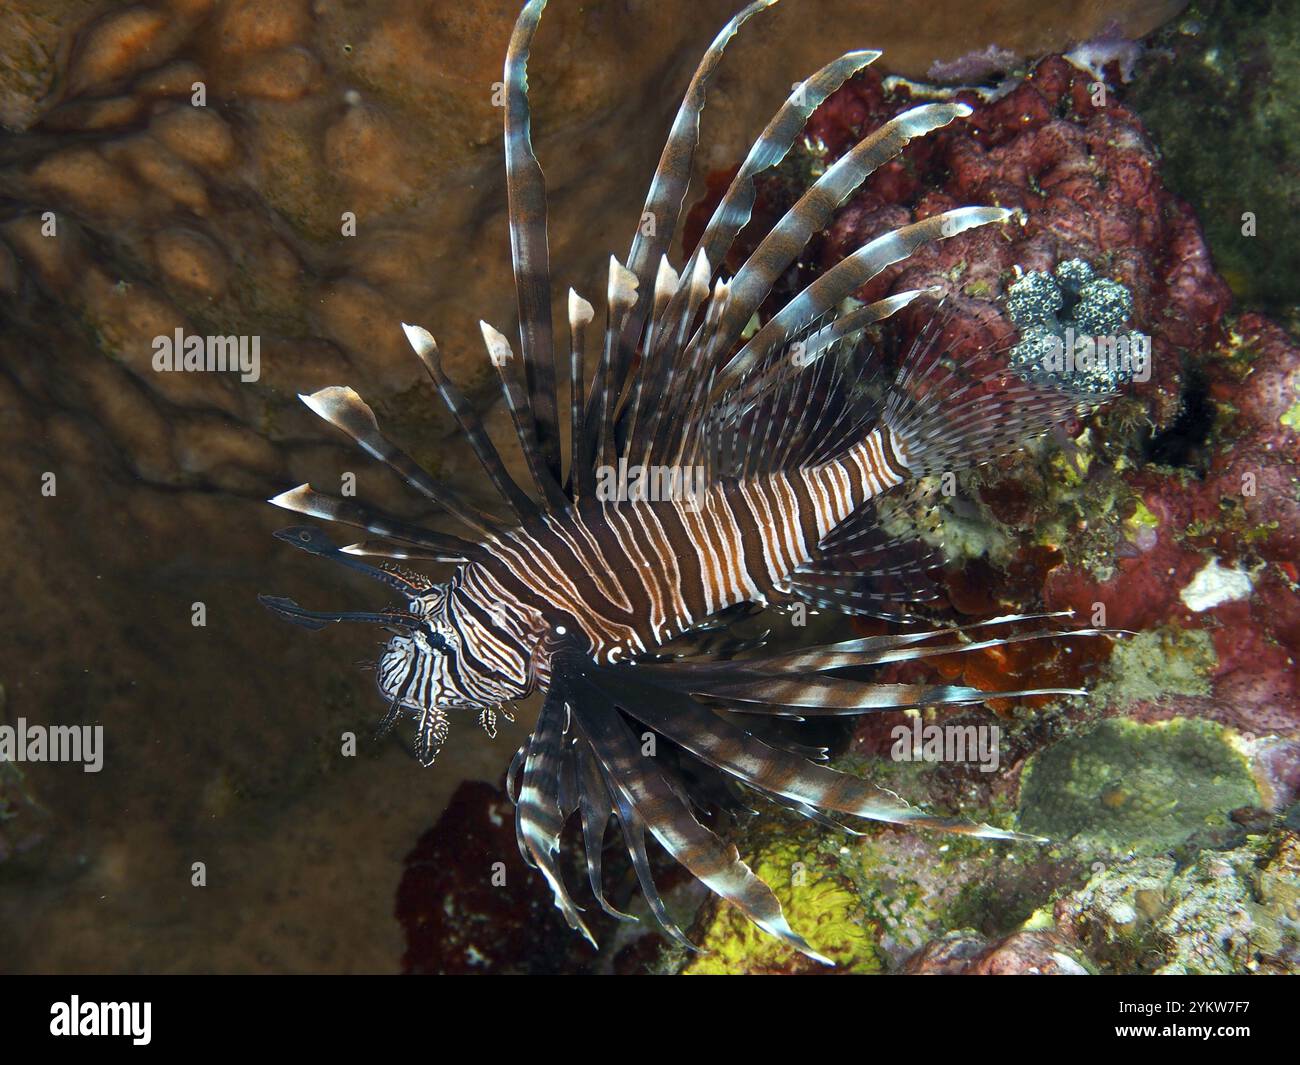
x,y
610,487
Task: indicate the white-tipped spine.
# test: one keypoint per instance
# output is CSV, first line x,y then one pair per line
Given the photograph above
x,y
622,284
421,341
580,311
498,347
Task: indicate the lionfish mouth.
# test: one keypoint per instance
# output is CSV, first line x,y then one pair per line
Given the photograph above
x,y
794,451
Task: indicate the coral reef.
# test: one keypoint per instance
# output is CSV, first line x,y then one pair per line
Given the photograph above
x,y
1126,786
1228,911
1024,953
1173,514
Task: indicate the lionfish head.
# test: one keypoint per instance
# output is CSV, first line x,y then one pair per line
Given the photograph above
x,y
408,671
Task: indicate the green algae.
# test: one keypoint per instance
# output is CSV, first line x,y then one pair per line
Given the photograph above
x,y
1127,786
818,900
1149,665
1218,97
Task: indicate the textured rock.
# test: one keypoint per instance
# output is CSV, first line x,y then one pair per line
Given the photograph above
x,y
1019,954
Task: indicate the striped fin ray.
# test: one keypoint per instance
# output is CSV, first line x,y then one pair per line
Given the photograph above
x,y
809,346
502,357
864,651
842,656
737,205
667,285
390,549
805,403
728,747
849,325
875,567
867,581
775,142
815,208
607,385
815,338
306,500
850,274
581,476
836,696
530,254
795,411
861,651
670,359
633,829
809,813
597,808
688,421
848,601
539,818
663,204
345,410
427,349
642,790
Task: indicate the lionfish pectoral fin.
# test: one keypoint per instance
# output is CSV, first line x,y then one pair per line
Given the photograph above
x,y
539,815
728,747
646,800
597,808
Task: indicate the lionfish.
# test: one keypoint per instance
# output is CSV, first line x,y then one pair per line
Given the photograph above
x,y
576,596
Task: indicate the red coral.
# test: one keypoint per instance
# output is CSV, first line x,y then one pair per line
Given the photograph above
x,y
1087,180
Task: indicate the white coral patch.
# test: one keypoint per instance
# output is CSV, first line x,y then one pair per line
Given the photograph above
x,y
1214,585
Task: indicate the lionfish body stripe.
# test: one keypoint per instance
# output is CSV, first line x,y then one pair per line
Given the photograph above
x,y
575,595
